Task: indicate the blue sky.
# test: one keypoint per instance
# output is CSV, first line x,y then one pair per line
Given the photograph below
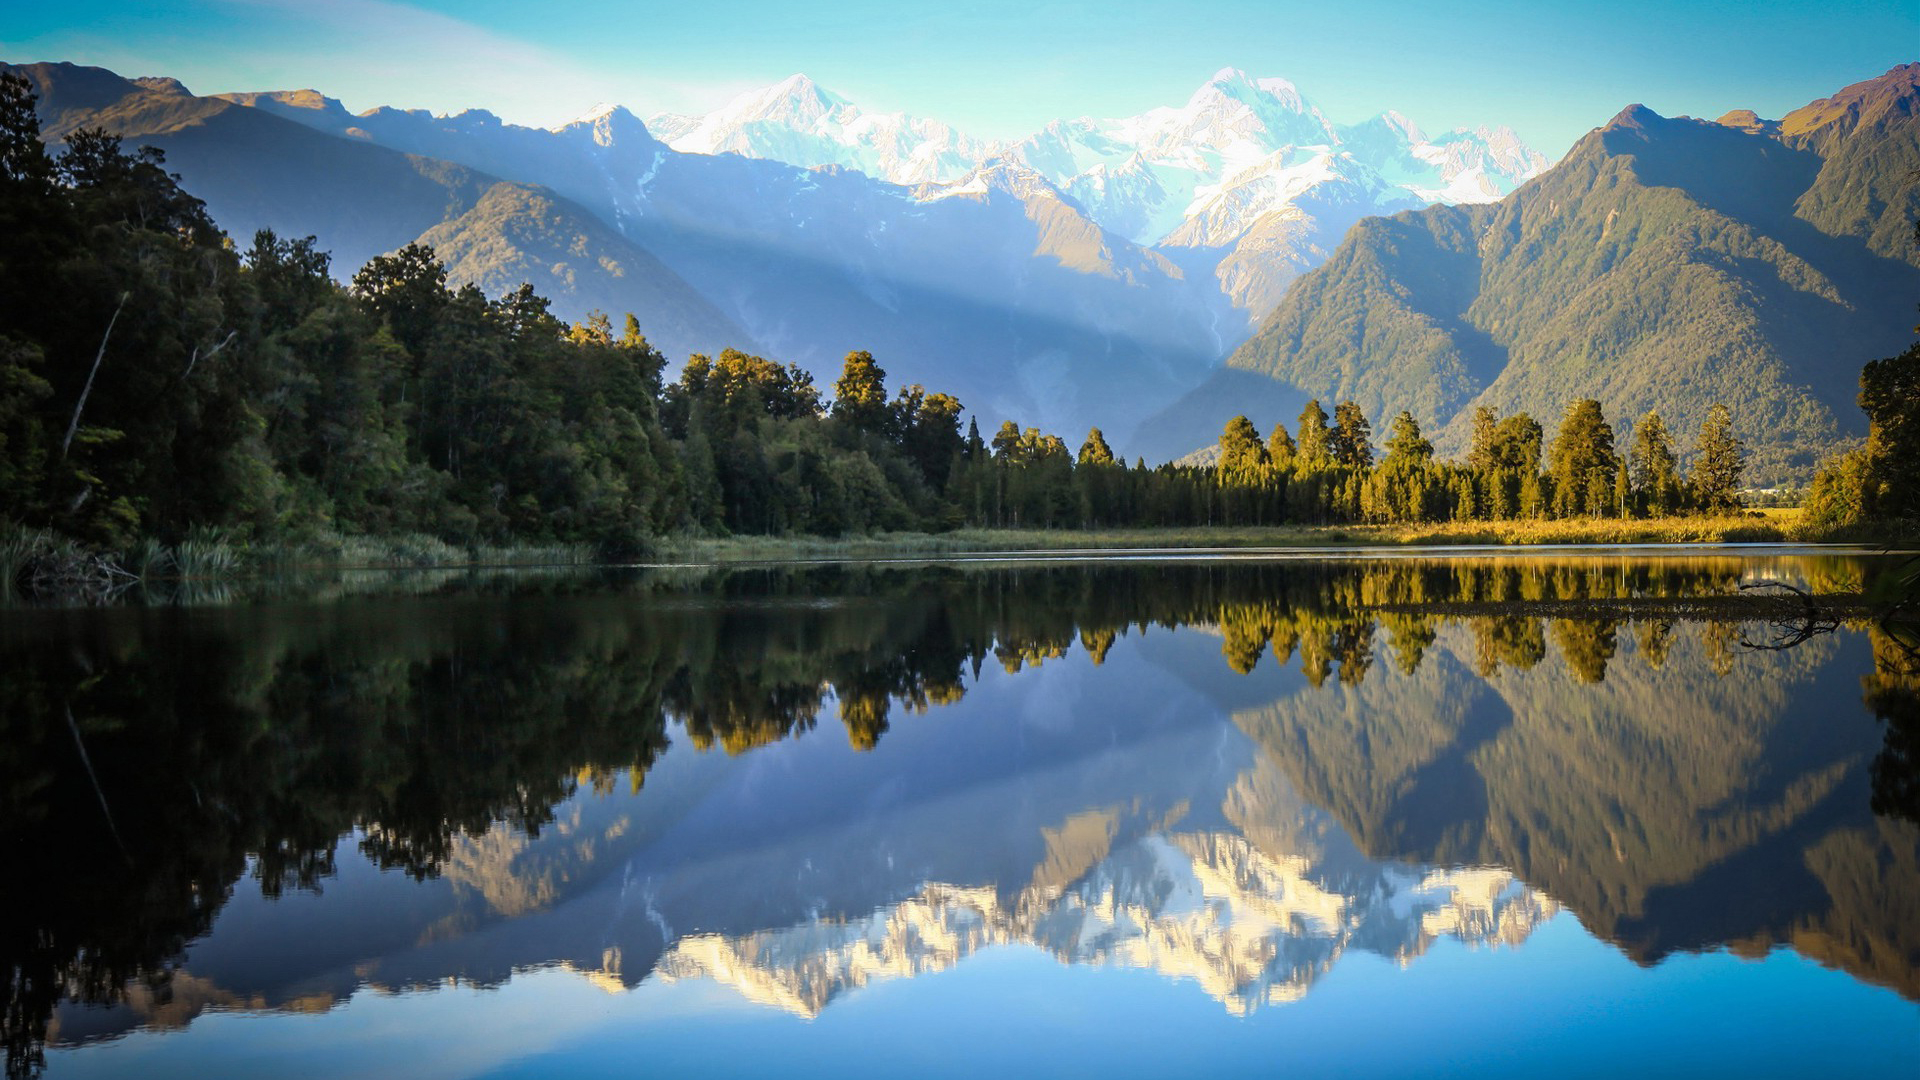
x,y
1000,69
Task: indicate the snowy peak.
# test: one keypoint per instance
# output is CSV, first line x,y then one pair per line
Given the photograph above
x,y
1146,177
801,123
1389,126
795,100
1001,175
594,115
1232,84
607,125
796,91
1244,153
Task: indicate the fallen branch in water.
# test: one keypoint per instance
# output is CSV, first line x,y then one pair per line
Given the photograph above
x,y
1789,632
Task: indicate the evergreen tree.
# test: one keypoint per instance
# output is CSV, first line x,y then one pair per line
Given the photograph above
x,y
1406,447
1351,442
1481,454
408,291
1314,435
1517,442
1582,460
1881,479
1280,448
1240,447
860,394
1890,395
1718,461
926,429
1006,443
1095,451
1653,466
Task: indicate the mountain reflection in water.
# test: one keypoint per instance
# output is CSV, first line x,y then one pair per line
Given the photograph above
x,y
621,775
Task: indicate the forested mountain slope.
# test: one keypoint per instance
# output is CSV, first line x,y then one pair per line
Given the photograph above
x,y
259,171
1665,264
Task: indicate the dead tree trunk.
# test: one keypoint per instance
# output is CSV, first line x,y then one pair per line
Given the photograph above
x,y
74,424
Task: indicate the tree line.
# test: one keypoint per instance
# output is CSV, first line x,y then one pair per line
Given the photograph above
x,y
1878,481
1325,472
155,378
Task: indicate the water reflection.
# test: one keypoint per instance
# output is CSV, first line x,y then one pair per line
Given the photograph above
x,y
1326,757
1249,924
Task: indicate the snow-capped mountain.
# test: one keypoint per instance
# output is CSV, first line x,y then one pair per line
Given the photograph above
x,y
1143,176
995,286
1085,275
1252,162
798,122
1245,161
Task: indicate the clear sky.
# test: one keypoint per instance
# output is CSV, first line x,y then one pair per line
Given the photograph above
x,y
1000,68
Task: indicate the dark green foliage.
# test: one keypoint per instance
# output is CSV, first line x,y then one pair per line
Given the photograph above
x,y
1351,442
1880,480
153,380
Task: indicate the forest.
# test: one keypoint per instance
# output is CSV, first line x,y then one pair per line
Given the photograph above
x,y
158,381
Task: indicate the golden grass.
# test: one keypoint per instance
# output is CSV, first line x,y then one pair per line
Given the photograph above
x,y
1777,525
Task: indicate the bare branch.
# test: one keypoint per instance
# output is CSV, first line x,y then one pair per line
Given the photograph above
x,y
1790,631
195,358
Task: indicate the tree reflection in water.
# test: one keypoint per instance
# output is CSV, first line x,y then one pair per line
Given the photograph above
x,y
215,745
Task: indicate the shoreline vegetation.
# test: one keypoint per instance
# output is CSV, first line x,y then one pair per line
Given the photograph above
x,y
173,408
39,564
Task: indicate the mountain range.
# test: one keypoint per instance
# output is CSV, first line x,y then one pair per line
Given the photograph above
x,y
1086,275
1097,271
1663,264
1246,163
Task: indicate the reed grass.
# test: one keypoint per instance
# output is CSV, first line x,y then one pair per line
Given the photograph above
x,y
1778,525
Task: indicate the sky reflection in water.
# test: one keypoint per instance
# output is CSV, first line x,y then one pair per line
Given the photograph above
x,y
1334,816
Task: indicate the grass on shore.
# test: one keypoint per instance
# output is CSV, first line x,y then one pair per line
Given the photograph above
x,y
1778,525
212,554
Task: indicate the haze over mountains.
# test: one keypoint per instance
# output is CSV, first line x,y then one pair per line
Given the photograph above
x,y
1096,272
1029,280
1244,162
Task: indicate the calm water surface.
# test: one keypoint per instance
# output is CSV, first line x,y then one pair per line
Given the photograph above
x,y
1546,815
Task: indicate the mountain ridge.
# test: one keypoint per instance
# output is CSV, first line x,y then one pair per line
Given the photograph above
x,y
1635,272
1004,296
1243,160
256,170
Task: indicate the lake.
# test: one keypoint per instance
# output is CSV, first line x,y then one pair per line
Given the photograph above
x,y
1561,813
